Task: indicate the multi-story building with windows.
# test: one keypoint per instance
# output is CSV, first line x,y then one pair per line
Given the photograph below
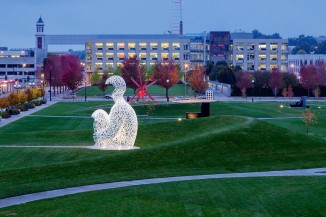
x,y
260,54
17,65
299,60
110,52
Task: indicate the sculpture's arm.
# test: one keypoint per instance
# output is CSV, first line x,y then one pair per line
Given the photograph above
x,y
113,125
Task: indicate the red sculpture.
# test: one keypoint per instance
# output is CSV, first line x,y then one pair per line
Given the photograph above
x,y
141,91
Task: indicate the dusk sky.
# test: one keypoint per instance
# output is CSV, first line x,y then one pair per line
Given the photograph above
x,y
287,17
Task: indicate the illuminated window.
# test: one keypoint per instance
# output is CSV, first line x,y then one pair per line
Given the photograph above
x,y
99,56
273,57
153,56
109,46
262,57
176,56
99,66
239,57
99,46
88,46
142,56
176,46
262,67
109,66
121,56
262,46
121,46
284,57
165,56
165,46
88,66
131,55
273,46
132,46
284,47
239,46
142,46
284,67
109,56
153,46
272,66
119,64
89,57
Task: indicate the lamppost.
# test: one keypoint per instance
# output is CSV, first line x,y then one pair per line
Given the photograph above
x,y
32,85
253,85
167,97
185,77
50,83
17,87
85,92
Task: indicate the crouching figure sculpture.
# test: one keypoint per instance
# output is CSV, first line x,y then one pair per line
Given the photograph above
x,y
117,130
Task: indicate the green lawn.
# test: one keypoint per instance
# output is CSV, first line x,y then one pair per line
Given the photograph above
x,y
232,140
155,90
287,196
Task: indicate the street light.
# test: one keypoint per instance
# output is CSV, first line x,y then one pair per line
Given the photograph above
x,y
185,77
167,97
17,87
85,92
32,85
253,85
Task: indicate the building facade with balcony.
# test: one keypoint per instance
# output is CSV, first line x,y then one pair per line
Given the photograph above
x,y
260,54
296,61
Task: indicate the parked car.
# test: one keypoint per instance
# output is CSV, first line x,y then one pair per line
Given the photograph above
x,y
108,96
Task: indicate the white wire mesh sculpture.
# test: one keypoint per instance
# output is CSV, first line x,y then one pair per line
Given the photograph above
x,y
117,130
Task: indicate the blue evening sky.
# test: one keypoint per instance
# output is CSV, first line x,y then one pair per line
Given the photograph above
x,y
287,17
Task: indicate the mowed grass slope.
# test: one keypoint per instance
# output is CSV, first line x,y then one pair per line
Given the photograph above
x,y
252,146
281,196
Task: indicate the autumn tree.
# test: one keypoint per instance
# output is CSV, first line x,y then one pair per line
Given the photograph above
x,y
102,85
53,66
129,71
284,92
244,82
276,81
29,94
196,79
4,103
72,75
166,75
22,97
309,118
309,77
290,79
13,99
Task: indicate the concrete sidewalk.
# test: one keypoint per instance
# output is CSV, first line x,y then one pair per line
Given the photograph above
x,y
97,187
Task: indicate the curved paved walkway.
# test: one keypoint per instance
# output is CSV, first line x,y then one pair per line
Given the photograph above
x,y
97,187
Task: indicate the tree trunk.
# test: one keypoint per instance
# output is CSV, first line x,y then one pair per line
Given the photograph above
x,y
167,94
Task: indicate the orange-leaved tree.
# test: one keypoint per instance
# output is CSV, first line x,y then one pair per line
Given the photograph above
x,y
197,80
166,75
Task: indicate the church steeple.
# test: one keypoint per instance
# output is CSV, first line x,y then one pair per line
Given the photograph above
x,y
40,26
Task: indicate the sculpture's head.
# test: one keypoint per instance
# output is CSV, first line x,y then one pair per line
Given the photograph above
x,y
119,85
